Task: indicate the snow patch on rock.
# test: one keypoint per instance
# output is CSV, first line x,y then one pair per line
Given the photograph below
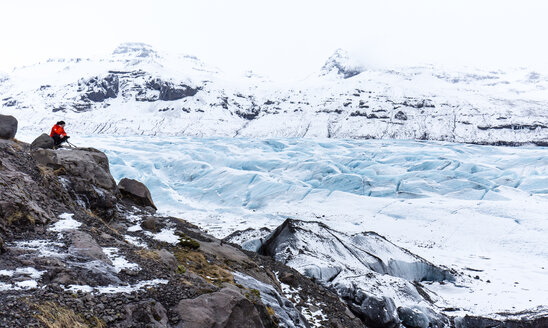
x,y
119,262
116,289
66,222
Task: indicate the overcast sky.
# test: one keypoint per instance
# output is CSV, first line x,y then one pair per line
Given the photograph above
x,y
279,38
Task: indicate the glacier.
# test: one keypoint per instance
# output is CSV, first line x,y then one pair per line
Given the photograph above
x,y
478,210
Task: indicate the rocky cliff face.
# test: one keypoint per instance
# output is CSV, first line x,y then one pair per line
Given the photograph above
x,y
77,252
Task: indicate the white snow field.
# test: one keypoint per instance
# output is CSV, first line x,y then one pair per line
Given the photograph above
x,y
481,210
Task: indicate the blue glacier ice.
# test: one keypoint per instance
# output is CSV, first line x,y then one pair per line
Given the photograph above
x,y
228,173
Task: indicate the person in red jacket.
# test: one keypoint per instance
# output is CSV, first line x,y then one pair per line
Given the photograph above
x,y
58,133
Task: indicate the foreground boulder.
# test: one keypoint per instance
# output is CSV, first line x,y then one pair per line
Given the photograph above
x,y
225,308
285,310
378,312
87,176
413,319
147,313
88,164
136,191
43,141
8,127
27,196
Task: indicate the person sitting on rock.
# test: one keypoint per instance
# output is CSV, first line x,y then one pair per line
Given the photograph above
x,y
58,133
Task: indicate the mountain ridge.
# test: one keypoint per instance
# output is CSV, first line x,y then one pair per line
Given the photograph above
x,y
147,94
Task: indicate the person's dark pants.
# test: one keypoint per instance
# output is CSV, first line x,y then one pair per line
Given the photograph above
x,y
57,140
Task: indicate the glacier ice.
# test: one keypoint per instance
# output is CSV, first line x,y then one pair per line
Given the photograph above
x,y
250,174
457,205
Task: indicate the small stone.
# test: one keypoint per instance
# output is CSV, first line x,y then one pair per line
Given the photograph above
x,y
149,224
167,258
43,141
287,278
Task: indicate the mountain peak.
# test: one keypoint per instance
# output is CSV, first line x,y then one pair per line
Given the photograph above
x,y
135,49
341,63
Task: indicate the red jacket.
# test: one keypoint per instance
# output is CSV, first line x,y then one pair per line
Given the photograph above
x,y
57,129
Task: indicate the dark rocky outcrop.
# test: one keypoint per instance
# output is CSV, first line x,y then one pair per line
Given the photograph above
x,y
377,312
98,89
170,91
287,314
25,190
10,102
83,244
150,224
157,89
249,114
413,318
400,116
513,127
225,308
44,141
87,175
88,165
421,317
136,191
148,313
418,103
373,311
81,106
8,127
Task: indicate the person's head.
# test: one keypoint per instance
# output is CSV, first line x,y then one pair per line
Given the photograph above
x,y
62,123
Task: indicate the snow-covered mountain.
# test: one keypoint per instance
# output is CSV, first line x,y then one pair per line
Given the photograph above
x,y
137,90
341,64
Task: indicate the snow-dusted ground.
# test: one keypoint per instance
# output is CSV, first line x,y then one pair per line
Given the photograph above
x,y
481,210
28,277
